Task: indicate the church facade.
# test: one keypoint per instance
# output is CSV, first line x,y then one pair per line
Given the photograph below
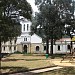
x,y
33,44
27,43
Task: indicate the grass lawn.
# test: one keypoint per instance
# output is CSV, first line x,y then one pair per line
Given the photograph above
x,y
21,62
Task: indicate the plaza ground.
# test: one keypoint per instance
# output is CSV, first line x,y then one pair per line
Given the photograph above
x,y
22,63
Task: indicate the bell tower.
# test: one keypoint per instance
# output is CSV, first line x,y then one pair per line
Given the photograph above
x,y
25,38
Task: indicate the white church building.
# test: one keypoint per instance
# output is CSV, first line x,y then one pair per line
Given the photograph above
x,y
33,44
27,43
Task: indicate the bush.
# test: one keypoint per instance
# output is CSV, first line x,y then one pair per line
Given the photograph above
x,y
17,52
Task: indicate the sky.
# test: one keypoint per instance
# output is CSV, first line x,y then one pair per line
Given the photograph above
x,y
32,3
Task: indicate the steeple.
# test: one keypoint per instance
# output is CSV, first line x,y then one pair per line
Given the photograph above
x,y
25,25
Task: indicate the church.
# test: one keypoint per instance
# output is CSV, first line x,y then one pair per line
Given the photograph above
x,y
33,44
27,43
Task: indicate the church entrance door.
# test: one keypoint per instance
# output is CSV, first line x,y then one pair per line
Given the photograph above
x,y
25,48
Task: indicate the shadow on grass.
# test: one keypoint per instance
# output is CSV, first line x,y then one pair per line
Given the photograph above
x,y
13,70
6,60
50,56
56,55
23,70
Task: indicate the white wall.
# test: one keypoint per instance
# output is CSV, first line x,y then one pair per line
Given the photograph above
x,y
19,40
25,23
63,46
36,39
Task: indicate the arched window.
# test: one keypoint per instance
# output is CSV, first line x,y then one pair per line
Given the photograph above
x,y
68,47
58,47
27,27
37,48
24,27
4,48
14,47
10,48
10,42
44,48
24,39
15,41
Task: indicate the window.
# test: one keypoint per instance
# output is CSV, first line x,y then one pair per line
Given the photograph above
x,y
14,47
44,48
37,48
10,48
58,47
15,41
4,48
25,39
68,47
27,26
10,42
24,27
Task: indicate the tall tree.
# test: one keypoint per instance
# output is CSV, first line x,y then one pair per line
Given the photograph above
x,y
53,16
66,11
9,22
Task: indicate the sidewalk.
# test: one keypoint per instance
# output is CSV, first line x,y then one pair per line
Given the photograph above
x,y
37,71
65,62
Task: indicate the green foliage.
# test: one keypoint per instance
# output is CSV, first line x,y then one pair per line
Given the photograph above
x,y
19,6
18,52
9,29
52,18
49,21
10,10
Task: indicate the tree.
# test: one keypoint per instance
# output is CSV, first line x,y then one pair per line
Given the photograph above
x,y
66,11
47,19
10,10
52,18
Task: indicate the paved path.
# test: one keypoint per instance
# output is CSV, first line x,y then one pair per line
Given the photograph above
x,y
46,69
37,71
65,62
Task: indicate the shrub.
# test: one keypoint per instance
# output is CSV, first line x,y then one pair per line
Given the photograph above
x,y
17,52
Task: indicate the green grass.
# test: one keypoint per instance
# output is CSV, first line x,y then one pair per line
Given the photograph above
x,y
14,62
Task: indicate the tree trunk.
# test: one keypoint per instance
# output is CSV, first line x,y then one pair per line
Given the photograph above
x,y
71,45
0,48
47,46
52,46
52,42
